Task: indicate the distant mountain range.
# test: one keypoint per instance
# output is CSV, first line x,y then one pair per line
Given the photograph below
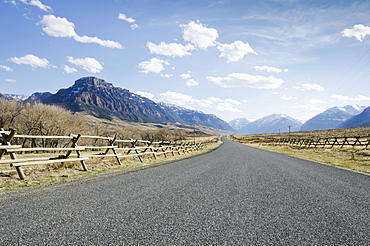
x,y
332,118
362,119
239,123
271,124
101,99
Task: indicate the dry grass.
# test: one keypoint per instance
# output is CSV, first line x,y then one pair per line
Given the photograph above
x,y
48,174
352,159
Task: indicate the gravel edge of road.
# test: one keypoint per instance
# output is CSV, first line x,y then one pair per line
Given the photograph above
x,y
35,191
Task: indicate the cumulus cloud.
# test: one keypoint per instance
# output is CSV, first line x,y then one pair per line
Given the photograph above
x,y
129,20
6,68
212,102
60,27
155,65
89,64
199,35
235,51
246,80
171,49
146,94
191,82
269,69
31,60
185,76
308,87
358,31
346,98
38,4
68,69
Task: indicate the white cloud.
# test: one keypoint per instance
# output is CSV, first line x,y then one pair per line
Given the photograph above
x,y
316,101
6,68
61,27
212,102
146,94
129,20
89,64
31,60
171,49
235,51
185,76
166,75
125,18
68,69
191,82
269,69
358,31
177,98
226,106
346,98
155,65
11,80
288,98
38,4
308,87
199,35
246,80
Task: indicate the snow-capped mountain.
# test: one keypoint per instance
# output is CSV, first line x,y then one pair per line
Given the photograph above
x,y
101,99
362,119
239,123
272,124
15,97
331,118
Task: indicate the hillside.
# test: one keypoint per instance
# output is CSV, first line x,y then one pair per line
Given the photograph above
x,y
271,124
331,118
96,97
359,120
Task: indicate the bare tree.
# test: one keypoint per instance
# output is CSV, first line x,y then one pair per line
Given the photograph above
x,y
9,112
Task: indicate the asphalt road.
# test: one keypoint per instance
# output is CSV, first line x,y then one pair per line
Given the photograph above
x,y
235,195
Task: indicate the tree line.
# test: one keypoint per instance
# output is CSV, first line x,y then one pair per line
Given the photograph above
x,y
51,120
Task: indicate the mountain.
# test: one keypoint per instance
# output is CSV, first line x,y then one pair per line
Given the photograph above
x,y
272,124
331,118
15,97
195,117
238,123
101,99
38,97
362,119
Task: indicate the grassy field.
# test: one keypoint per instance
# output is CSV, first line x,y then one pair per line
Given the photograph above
x,y
49,174
356,159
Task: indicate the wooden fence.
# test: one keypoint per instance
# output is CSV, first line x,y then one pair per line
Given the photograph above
x,y
26,150
355,142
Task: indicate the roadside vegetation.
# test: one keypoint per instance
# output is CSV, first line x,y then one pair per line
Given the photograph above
x,y
353,158
50,120
55,173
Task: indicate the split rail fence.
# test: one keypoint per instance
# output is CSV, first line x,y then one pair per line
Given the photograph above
x,y
19,151
355,142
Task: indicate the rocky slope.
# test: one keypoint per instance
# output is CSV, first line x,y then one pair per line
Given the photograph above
x,y
331,118
101,99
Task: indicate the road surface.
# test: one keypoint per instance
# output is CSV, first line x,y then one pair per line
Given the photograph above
x,y
235,195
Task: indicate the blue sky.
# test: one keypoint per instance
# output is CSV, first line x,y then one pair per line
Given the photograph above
x,y
231,58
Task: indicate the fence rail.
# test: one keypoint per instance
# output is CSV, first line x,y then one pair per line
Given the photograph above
x,y
356,142
23,150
